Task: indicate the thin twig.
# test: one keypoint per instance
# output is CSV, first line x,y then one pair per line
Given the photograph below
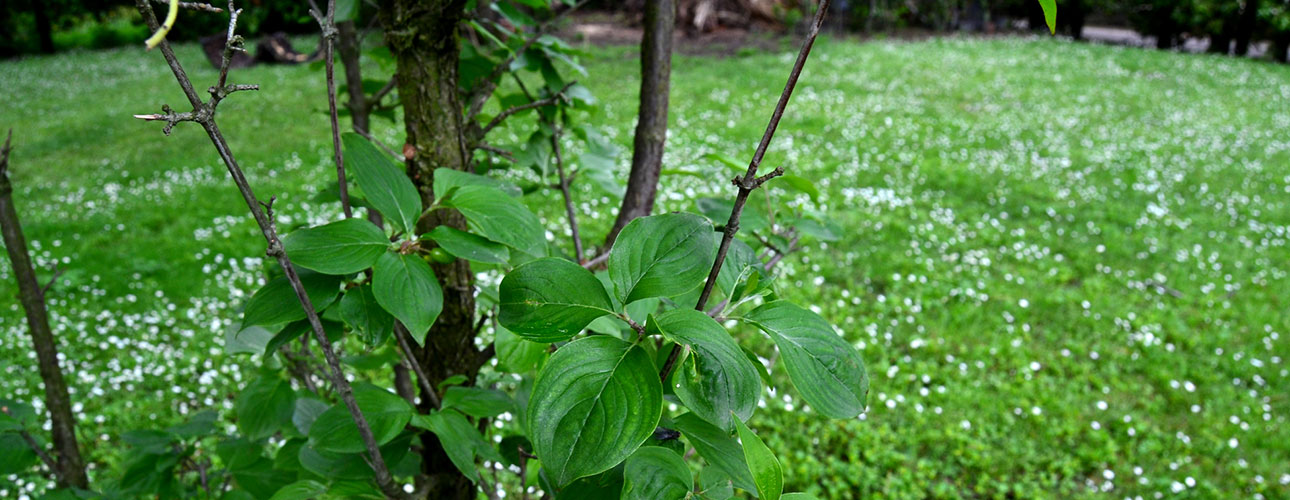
x,y
206,117
368,135
52,279
401,333
375,99
597,261
327,24
750,181
496,150
497,120
568,200
204,7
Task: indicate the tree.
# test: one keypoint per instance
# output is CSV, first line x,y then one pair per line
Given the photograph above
x,y
69,467
651,124
594,354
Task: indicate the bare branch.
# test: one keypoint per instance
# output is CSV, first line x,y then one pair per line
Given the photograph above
x,y
52,279
401,334
205,116
378,143
198,6
568,199
327,23
750,180
375,100
598,261
496,150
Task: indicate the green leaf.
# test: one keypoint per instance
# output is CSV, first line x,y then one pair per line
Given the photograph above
x,y
304,489
293,330
469,246
460,439
717,447
661,256
446,181
550,300
264,406
826,370
1050,14
737,273
753,217
715,484
595,401
249,340
276,302
716,379
342,247
386,187
802,184
334,466
306,412
516,355
500,218
797,496
405,286
386,414
728,162
656,473
15,455
364,314
16,415
477,401
765,469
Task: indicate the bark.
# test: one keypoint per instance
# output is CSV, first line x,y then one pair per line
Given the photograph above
x,y
44,30
651,127
70,465
347,43
1245,26
422,36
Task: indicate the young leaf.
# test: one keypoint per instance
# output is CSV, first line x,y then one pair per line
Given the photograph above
x,y
342,247
469,246
405,286
386,414
364,314
446,181
276,303
386,187
1050,14
826,370
765,468
656,473
595,401
500,218
717,447
661,256
264,406
551,300
716,380
477,401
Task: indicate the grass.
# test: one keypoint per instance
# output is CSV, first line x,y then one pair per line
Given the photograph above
x,y
1065,264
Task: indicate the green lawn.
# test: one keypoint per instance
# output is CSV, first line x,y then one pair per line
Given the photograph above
x,y
1065,265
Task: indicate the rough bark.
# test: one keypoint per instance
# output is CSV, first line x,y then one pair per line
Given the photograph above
x,y
71,467
347,44
422,36
651,127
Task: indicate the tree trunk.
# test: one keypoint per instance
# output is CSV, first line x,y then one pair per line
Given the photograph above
x,y
62,424
422,36
348,45
44,31
1219,43
1246,25
651,127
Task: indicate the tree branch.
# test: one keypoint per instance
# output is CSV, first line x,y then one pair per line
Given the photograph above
x,y
275,249
497,120
568,200
401,333
204,7
750,181
489,84
327,24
